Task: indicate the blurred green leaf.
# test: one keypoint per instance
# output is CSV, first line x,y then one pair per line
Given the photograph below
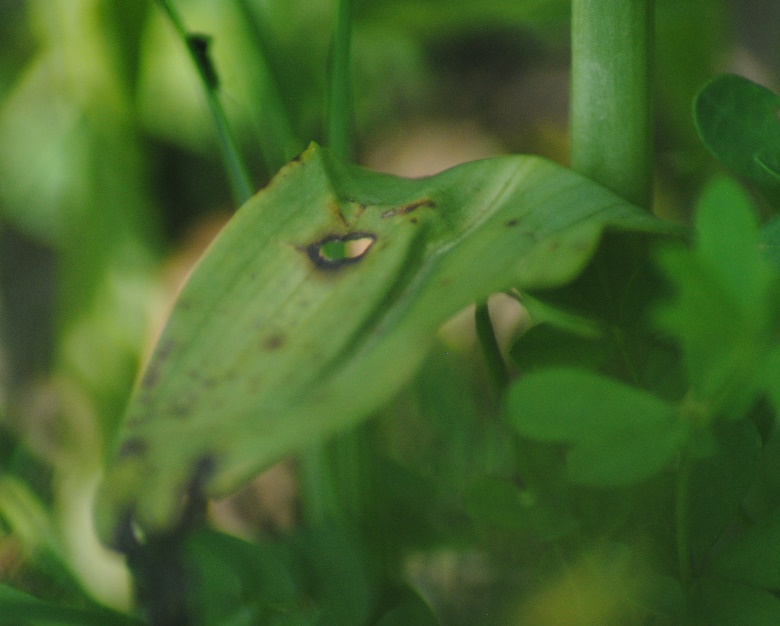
x,y
237,581
727,241
558,337
274,343
722,312
413,612
543,313
689,41
20,609
727,603
770,241
772,377
444,17
544,345
751,558
617,434
26,516
496,504
719,483
738,121
330,568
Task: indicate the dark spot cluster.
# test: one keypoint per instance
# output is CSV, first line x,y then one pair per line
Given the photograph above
x,y
152,374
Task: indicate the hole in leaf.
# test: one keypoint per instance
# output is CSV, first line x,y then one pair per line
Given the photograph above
x,y
335,251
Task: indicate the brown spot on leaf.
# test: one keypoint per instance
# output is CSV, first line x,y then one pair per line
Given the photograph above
x,y
181,408
408,208
152,374
274,342
133,447
511,223
336,251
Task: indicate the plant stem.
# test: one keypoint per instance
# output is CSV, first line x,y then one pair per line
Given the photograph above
x,y
487,339
197,48
611,106
278,140
339,85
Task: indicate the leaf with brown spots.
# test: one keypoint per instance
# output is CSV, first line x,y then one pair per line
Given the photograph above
x,y
303,319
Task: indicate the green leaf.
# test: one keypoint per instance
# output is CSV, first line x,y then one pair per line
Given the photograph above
x,y
722,310
558,337
331,571
719,483
752,558
738,120
497,504
412,612
726,603
275,343
617,434
237,580
441,19
17,607
770,242
772,377
727,241
544,345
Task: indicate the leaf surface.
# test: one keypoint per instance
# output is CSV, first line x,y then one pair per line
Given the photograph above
x,y
320,299
723,310
752,557
739,121
616,434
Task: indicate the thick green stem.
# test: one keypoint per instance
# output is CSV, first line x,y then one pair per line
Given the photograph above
x,y
611,110
197,48
339,121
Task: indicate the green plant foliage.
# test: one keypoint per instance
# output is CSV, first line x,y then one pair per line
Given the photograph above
x,y
558,337
751,558
616,434
409,614
20,609
738,121
442,17
770,239
622,466
719,483
237,582
274,342
497,505
727,603
724,310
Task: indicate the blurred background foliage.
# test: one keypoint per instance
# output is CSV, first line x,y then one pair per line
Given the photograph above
x,y
111,184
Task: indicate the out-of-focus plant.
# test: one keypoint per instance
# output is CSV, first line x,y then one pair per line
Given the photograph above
x,y
614,454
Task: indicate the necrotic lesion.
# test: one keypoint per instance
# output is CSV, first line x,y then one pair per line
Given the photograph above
x,y
335,251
